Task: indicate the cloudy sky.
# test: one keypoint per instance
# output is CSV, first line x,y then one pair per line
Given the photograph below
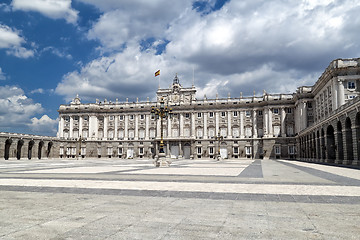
x,y
51,50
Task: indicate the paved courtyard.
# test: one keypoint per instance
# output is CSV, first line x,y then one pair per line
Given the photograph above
x,y
193,199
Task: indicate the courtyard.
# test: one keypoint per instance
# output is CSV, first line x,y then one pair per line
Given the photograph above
x,y
192,199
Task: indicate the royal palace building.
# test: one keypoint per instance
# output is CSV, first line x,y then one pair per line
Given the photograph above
x,y
316,123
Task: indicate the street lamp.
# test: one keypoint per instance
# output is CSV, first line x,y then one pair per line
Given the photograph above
x,y
219,138
163,112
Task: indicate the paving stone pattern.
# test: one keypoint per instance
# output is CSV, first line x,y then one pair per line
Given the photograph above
x,y
193,199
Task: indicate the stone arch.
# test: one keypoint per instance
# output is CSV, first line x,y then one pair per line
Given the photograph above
x,y
349,141
357,126
50,144
31,144
41,144
340,145
8,143
330,144
20,143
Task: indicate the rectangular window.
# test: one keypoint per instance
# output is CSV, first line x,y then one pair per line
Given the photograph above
x,y
131,117
351,85
76,118
211,150
199,150
141,150
291,149
187,115
223,114
260,113
120,151
276,111
111,118
67,119
199,115
142,117
121,117
235,114
277,150
109,151
247,113
83,151
248,150
211,114
289,110
236,150
86,118
309,105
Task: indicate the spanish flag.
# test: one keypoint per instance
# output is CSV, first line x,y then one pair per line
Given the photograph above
x,y
157,73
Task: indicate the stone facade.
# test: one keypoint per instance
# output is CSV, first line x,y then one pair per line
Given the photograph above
x,y
317,123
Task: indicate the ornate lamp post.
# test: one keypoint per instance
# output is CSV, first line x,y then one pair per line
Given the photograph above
x,y
163,112
219,138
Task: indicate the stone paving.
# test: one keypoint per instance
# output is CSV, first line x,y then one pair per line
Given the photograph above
x,y
193,199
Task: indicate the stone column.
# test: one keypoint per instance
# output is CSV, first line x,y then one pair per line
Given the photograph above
x,y
80,125
126,127
181,154
266,122
181,123
241,124
335,91
106,123
193,134
254,124
217,123
229,124
341,93
62,124
167,149
136,137
93,127
283,129
158,128
147,121
169,127
271,132
355,161
71,126
116,127
205,125
304,116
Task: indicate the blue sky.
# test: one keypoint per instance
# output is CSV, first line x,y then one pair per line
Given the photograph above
x,y
51,50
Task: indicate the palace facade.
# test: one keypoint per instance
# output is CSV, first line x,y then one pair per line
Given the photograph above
x,y
316,123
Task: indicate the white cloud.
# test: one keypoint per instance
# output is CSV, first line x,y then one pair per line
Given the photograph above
x,y
11,40
20,52
244,46
57,52
38,90
9,37
16,108
55,9
133,20
122,75
44,126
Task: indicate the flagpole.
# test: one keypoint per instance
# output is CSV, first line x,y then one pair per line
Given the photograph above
x,y
159,80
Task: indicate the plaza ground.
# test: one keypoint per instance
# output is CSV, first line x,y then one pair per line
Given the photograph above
x,y
192,199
